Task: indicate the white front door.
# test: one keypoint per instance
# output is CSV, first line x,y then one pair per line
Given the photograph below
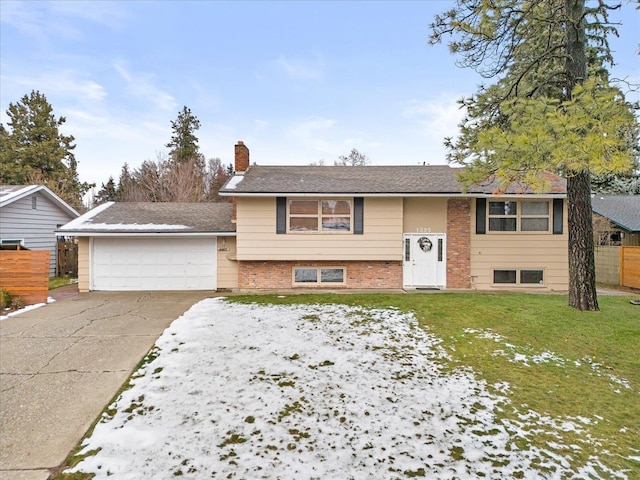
x,y
425,260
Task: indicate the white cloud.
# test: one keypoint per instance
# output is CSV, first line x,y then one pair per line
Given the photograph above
x,y
301,69
313,134
142,87
42,20
437,118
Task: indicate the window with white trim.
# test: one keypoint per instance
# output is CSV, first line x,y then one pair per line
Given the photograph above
x,y
320,216
319,276
12,241
519,216
515,276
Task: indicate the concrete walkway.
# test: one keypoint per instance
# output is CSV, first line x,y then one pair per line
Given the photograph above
x,y
62,363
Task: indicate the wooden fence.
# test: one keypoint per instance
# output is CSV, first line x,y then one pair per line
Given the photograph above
x,y
630,267
67,259
25,273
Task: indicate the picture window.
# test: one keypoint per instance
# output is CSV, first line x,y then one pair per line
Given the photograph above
x,y
522,216
320,216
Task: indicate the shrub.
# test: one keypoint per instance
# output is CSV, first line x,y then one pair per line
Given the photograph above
x,y
5,299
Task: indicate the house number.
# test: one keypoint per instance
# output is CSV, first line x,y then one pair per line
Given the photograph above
x,y
423,230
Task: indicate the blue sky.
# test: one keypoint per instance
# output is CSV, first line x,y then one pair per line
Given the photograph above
x,y
298,82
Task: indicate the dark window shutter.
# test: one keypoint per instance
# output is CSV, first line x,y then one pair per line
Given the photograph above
x,y
481,215
358,215
281,215
558,211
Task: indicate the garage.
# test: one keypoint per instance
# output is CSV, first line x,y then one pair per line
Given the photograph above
x,y
153,263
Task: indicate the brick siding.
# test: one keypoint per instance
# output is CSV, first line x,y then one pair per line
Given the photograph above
x,y
458,243
279,275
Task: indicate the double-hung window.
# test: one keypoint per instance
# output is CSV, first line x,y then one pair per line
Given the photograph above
x,y
519,216
320,216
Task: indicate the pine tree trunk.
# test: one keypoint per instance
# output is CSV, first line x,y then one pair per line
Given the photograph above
x,y
582,265
582,270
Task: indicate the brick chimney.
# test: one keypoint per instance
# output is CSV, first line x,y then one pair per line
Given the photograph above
x,y
242,157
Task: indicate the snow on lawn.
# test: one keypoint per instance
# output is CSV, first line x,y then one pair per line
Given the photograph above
x,y
304,392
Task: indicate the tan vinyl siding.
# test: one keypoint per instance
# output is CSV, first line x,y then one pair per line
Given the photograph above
x,y
257,238
425,215
519,251
227,265
84,270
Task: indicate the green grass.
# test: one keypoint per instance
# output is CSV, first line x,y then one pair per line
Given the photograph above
x,y
595,375
57,282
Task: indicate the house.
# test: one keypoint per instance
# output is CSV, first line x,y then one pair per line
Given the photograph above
x,y
393,227
29,216
368,227
622,213
155,246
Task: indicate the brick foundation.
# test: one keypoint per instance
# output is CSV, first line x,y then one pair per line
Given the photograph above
x,y
279,275
458,243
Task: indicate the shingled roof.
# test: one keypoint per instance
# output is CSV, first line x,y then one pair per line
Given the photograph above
x,y
622,210
148,217
364,180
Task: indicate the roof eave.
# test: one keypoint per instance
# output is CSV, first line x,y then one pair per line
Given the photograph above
x,y
138,233
393,194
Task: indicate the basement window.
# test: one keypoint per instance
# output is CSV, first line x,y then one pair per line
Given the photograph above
x,y
518,277
318,276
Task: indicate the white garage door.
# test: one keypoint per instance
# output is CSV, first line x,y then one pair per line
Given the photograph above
x,y
154,264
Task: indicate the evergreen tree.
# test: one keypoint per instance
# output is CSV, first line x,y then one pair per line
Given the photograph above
x,y
35,151
107,193
543,112
184,143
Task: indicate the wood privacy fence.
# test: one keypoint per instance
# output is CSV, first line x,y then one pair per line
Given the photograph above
x,y
25,273
630,267
67,259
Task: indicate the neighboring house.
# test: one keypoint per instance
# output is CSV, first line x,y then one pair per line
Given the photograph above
x,y
365,227
393,227
29,216
155,246
622,213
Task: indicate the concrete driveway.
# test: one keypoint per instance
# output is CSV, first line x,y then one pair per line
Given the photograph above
x,y
62,363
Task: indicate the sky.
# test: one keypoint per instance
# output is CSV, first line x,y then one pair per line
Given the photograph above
x,y
331,391
297,81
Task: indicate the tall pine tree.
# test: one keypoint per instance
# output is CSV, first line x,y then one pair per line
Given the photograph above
x,y
184,143
35,151
551,107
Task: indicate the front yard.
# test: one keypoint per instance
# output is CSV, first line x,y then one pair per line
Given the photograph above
x,y
380,386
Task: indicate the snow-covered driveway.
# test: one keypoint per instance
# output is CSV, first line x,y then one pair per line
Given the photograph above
x,y
302,392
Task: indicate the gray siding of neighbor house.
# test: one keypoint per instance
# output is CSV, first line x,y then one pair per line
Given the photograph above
x,y
19,220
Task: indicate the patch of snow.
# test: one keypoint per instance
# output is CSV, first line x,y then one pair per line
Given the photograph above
x,y
132,226
547,357
86,217
312,392
23,310
233,182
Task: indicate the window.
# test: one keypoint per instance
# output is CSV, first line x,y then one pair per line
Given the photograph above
x,y
518,277
520,216
322,216
12,241
318,275
34,203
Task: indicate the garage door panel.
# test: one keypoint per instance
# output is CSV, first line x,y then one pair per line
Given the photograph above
x,y
154,264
